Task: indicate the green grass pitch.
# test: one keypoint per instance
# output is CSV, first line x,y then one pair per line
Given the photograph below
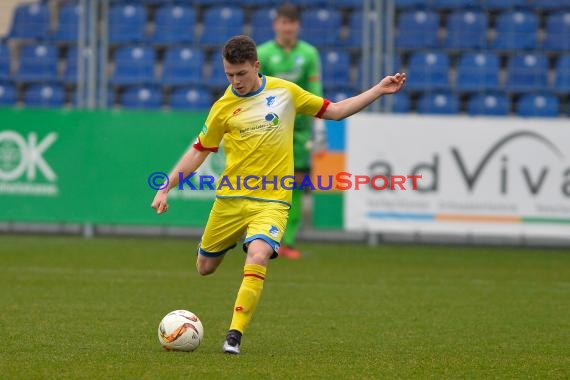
x,y
89,309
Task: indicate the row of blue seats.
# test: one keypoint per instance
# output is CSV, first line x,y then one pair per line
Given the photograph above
x,y
465,29
137,64
342,4
480,104
492,5
475,71
146,97
468,29
178,24
400,4
481,71
197,98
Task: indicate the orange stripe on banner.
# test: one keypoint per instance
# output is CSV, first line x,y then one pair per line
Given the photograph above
x,y
254,275
477,218
327,164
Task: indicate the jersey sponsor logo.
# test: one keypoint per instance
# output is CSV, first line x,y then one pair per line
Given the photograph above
x,y
236,111
271,122
270,100
273,118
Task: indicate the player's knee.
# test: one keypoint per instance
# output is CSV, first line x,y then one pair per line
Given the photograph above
x,y
205,268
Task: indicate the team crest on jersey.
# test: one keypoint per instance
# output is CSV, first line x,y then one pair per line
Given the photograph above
x,y
270,100
274,231
273,118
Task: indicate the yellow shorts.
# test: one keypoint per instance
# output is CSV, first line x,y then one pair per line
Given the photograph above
x,y
232,219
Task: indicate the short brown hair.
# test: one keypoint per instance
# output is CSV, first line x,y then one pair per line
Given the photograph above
x,y
289,11
240,49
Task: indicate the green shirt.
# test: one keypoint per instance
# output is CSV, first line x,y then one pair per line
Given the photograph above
x,y
301,65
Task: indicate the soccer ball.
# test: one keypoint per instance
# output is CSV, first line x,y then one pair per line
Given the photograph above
x,y
180,330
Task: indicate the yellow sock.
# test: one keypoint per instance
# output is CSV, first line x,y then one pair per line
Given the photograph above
x,y
248,296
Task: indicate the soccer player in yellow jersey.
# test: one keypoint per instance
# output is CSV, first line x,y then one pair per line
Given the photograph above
x,y
255,119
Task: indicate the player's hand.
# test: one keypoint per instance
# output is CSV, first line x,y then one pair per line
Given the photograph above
x,y
392,83
160,202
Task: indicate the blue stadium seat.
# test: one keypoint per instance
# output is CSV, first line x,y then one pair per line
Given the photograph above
x,y
127,23
392,65
466,29
174,24
67,29
454,4
38,62
190,98
262,24
442,102
402,4
428,71
516,30
562,79
478,71
355,26
44,95
31,21
337,95
557,31
5,59
527,72
321,27
400,102
417,29
182,66
220,24
217,78
70,71
256,4
550,5
539,105
353,4
7,94
504,4
141,97
308,3
488,104
134,65
335,68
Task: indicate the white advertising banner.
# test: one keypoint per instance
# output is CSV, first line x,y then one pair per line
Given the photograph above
x,y
504,176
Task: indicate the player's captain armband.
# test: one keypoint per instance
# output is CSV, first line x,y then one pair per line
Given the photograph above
x,y
198,146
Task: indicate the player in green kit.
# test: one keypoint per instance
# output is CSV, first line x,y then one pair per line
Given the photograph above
x,y
297,61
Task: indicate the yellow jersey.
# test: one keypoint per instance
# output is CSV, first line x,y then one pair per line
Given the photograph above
x,y
257,134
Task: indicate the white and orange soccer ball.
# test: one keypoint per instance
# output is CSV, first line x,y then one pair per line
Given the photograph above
x,y
180,330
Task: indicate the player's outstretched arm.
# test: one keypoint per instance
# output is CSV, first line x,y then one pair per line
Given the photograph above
x,y
189,163
350,106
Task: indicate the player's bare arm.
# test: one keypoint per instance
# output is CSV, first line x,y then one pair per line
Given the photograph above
x,y
189,163
347,107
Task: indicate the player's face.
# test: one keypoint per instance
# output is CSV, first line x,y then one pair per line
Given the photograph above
x,y
286,30
243,77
